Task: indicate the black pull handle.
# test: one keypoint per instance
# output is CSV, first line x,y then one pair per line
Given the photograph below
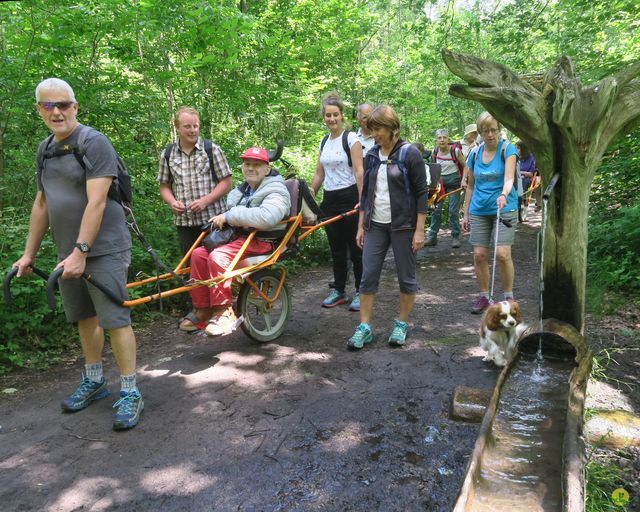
x,y
8,299
6,285
52,281
112,296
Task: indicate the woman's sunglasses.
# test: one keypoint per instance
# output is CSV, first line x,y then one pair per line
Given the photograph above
x,y
50,105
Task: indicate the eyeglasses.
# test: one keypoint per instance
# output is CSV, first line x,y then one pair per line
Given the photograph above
x,y
491,131
61,105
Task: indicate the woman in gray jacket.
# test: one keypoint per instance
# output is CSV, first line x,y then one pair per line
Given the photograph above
x,y
260,202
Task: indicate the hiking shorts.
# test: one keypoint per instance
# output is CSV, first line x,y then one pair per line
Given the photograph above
x,y
82,300
377,240
482,226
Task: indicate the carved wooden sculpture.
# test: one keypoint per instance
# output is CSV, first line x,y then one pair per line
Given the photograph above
x,y
568,126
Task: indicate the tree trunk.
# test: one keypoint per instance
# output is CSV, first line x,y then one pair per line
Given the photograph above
x,y
568,127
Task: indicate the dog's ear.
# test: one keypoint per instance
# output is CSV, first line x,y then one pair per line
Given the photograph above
x,y
515,312
492,317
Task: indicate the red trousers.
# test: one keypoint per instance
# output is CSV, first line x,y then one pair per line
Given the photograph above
x,y
206,265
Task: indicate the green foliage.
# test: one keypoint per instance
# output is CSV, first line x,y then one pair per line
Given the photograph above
x,y
616,264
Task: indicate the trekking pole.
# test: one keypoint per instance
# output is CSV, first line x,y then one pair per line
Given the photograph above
x,y
495,255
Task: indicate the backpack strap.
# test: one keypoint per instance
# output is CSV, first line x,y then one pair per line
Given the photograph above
x,y
167,153
400,162
208,149
345,146
323,142
40,154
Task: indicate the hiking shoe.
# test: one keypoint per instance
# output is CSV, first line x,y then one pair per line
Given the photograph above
x,y
129,407
432,241
355,303
334,298
480,305
456,242
398,334
361,337
87,392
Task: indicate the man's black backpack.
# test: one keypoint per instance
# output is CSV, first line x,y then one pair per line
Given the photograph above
x,y
208,149
345,144
120,190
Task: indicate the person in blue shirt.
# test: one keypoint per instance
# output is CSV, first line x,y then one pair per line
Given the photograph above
x,y
491,187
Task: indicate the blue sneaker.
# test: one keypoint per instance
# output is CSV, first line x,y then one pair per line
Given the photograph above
x,y
361,337
128,411
355,303
87,392
398,334
334,298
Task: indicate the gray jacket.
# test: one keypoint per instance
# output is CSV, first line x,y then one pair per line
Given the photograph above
x,y
263,209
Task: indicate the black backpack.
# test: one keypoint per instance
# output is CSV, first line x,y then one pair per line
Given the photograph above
x,y
120,189
345,145
208,149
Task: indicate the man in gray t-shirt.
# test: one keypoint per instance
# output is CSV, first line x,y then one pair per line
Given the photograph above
x,y
91,236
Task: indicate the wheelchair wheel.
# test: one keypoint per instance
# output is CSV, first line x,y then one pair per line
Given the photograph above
x,y
262,322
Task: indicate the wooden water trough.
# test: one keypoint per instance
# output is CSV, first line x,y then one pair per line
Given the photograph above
x,y
529,454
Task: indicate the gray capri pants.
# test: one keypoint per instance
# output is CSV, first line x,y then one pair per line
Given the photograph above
x,y
377,240
82,300
482,226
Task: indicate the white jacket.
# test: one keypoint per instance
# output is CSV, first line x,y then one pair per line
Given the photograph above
x,y
263,209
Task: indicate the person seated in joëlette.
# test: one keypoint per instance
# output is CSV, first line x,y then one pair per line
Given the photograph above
x,y
261,202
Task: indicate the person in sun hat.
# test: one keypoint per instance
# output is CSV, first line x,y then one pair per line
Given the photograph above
x,y
470,141
90,233
260,202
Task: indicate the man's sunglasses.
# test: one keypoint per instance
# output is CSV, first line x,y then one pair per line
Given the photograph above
x,y
50,105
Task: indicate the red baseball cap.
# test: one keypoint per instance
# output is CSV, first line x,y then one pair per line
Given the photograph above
x,y
256,154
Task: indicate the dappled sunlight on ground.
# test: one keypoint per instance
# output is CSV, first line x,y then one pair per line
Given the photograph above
x,y
602,395
110,492
171,480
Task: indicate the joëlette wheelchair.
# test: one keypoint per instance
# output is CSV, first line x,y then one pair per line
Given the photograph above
x,y
263,302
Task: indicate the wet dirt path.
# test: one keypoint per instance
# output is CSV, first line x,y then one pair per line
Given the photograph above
x,y
300,424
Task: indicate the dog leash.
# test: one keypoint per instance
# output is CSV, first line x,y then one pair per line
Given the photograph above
x,y
495,255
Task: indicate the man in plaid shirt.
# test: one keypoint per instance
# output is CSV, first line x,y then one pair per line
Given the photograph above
x,y
194,191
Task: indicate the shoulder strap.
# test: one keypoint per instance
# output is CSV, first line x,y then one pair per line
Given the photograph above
x,y
208,149
167,152
323,142
400,162
474,155
42,148
81,152
345,146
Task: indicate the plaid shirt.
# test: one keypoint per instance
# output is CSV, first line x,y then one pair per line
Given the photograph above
x,y
190,178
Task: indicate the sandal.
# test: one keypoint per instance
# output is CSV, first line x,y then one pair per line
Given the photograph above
x,y
191,323
223,324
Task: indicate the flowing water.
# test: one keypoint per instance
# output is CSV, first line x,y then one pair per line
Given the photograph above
x,y
537,370
521,468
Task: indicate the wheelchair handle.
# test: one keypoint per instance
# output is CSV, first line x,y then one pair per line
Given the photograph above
x,y
6,285
55,275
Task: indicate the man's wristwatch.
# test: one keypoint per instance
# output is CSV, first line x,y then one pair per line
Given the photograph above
x,y
83,246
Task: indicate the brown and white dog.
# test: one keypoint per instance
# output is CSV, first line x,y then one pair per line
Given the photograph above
x,y
499,331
